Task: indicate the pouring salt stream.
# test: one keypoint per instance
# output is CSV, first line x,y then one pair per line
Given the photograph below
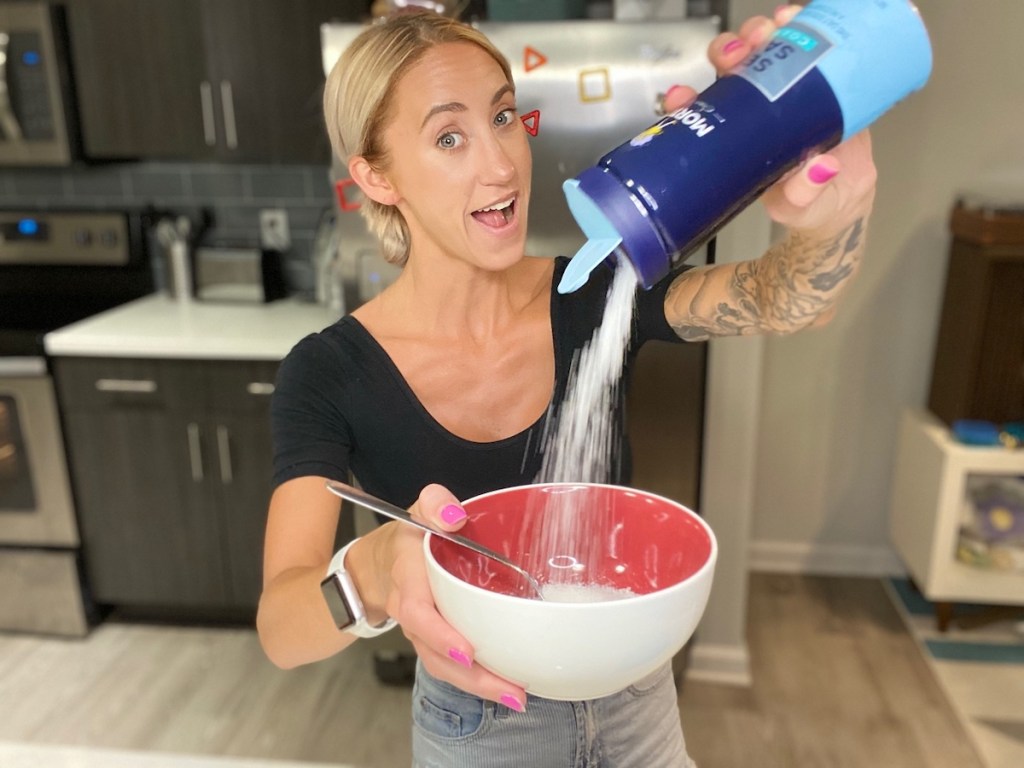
x,y
580,445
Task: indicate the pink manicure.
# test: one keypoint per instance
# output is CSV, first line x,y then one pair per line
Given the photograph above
x,y
458,656
512,702
673,89
820,174
452,513
732,45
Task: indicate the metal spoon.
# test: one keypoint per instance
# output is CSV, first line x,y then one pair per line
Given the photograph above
x,y
364,499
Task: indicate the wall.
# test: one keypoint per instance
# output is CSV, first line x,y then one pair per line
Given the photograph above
x,y
831,399
235,194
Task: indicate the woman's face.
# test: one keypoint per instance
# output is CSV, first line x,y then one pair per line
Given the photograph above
x,y
459,158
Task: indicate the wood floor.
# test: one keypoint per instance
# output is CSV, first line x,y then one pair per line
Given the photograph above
x,y
838,684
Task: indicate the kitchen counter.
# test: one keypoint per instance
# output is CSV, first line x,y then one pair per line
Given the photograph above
x,y
159,326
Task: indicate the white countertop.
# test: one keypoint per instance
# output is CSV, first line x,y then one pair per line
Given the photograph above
x,y
159,326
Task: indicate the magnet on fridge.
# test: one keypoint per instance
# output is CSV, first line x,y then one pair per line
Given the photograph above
x,y
339,190
595,84
532,58
532,122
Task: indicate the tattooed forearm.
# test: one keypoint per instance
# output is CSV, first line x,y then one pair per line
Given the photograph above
x,y
785,290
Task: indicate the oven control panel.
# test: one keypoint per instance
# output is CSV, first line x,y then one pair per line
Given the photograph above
x,y
52,238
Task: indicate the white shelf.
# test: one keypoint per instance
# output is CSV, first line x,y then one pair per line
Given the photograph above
x,y
928,493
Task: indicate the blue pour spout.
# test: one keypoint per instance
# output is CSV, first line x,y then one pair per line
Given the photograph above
x,y
602,238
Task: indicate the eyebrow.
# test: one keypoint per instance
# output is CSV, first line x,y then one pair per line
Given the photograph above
x,y
458,106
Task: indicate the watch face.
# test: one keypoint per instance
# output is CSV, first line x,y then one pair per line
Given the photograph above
x,y
337,601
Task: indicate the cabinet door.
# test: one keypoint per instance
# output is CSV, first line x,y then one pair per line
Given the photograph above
x,y
140,69
148,535
239,399
140,463
268,75
244,450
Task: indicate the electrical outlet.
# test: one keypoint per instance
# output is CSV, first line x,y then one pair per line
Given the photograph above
x,y
274,232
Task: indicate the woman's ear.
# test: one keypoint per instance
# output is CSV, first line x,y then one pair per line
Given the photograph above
x,y
373,183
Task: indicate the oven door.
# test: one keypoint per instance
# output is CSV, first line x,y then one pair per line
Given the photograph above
x,y
36,508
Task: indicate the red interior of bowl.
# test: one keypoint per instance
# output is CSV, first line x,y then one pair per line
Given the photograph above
x,y
643,543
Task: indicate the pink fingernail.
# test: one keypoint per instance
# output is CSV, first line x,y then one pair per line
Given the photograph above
x,y
452,513
673,89
512,702
820,174
460,657
732,45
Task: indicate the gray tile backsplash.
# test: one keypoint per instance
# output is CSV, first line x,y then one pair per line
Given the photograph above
x,y
234,193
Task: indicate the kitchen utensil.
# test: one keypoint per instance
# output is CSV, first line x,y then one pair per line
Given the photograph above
x,y
371,502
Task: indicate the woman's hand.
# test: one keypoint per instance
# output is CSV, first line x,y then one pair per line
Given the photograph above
x,y
444,652
828,192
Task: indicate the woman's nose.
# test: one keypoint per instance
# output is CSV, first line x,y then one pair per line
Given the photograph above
x,y
499,166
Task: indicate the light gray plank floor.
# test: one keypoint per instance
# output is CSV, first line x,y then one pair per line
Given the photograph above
x,y
838,682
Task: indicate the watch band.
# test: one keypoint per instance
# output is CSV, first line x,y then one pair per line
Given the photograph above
x,y
344,602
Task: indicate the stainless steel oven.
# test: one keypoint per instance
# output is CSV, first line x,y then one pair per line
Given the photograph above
x,y
55,268
37,117
38,531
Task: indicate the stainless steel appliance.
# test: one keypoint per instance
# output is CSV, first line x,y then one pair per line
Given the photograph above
x,y
37,125
55,268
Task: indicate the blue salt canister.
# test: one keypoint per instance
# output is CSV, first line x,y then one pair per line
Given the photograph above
x,y
831,72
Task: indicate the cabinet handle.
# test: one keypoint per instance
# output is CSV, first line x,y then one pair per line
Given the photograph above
x,y
126,385
259,388
227,103
206,97
195,452
224,450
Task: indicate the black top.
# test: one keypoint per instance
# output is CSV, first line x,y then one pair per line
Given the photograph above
x,y
341,404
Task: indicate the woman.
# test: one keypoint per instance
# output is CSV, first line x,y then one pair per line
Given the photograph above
x,y
437,389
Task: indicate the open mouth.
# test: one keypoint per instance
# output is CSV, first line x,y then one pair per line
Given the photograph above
x,y
497,215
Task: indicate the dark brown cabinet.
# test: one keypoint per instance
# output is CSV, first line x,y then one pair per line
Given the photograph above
x,y
978,368
171,465
222,80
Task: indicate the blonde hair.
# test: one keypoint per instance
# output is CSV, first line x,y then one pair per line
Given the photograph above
x,y
358,100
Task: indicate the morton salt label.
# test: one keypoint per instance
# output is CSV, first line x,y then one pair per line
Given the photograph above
x,y
835,69
786,58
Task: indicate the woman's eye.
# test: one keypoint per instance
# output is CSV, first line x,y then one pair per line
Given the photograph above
x,y
505,117
449,141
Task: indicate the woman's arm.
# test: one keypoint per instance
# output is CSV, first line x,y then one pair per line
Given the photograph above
x,y
389,572
794,285
294,624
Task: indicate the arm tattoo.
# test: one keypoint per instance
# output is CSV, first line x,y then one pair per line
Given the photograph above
x,y
783,291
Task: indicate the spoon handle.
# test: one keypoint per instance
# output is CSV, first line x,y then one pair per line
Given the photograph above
x,y
364,499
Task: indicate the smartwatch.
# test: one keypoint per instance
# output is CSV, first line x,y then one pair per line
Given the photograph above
x,y
343,600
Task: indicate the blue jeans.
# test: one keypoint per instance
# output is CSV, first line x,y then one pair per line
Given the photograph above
x,y
638,727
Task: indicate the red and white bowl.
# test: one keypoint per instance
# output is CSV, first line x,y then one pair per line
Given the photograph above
x,y
657,549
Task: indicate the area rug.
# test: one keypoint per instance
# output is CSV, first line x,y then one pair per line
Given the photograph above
x,y
979,662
